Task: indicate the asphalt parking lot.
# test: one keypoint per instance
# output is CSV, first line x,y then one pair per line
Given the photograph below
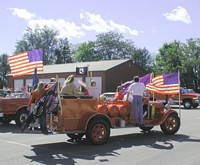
x,y
126,146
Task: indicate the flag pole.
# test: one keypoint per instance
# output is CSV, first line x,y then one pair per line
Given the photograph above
x,y
59,94
179,97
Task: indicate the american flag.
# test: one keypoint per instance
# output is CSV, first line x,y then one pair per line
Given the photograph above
x,y
165,84
25,63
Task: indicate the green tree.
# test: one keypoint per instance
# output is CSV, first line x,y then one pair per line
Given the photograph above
x,y
62,53
37,38
87,52
191,64
4,70
170,58
143,58
177,56
109,46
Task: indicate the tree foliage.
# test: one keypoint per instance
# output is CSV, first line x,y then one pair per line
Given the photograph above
x,y
177,56
87,52
4,70
46,39
143,58
110,46
62,53
191,74
170,58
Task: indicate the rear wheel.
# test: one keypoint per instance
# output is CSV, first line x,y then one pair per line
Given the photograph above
x,y
21,116
76,136
171,124
98,131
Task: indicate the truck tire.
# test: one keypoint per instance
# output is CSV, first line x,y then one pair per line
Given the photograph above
x,y
195,105
187,104
171,125
75,136
21,116
98,131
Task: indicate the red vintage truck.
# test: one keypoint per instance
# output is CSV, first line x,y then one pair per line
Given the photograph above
x,y
94,119
188,98
13,109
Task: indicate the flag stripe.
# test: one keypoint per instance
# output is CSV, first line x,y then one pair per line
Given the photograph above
x,y
164,84
25,62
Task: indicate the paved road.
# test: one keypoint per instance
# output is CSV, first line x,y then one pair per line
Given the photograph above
x,y
126,146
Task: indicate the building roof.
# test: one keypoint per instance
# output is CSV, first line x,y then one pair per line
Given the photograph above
x,y
92,66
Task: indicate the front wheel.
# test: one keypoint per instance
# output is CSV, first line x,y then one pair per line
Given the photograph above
x,y
187,104
75,136
98,131
171,124
21,116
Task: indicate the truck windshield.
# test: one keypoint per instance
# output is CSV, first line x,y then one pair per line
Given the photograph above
x,y
183,90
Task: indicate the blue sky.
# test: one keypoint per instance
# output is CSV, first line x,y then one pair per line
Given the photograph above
x,y
148,23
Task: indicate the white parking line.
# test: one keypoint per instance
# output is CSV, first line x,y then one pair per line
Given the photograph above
x,y
20,144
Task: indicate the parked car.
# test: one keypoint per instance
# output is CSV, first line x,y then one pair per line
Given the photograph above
x,y
107,96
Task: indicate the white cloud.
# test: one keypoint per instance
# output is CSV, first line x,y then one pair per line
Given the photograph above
x,y
98,24
66,29
178,14
69,29
124,29
22,13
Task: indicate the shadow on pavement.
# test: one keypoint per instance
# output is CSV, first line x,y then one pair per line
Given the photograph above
x,y
67,152
5,128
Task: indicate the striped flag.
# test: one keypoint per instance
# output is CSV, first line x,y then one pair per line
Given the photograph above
x,y
165,84
24,63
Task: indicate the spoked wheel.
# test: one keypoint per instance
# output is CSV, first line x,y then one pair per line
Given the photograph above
x,y
21,116
171,124
98,132
76,136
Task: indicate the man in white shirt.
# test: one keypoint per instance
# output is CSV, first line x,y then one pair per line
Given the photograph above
x,y
136,90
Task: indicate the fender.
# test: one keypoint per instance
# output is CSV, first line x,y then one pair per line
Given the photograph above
x,y
22,107
166,114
